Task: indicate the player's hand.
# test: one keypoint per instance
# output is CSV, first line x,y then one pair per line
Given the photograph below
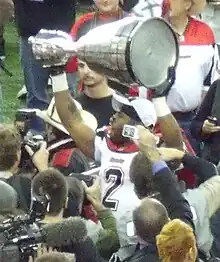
x,y
146,138
209,128
169,154
52,48
93,193
147,144
40,158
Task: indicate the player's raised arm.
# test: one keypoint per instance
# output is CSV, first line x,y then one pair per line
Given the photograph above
x,y
53,49
70,116
170,129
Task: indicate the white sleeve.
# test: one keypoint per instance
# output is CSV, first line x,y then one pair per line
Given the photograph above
x,y
215,74
98,144
148,8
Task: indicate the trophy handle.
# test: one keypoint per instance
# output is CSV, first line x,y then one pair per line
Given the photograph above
x,y
165,87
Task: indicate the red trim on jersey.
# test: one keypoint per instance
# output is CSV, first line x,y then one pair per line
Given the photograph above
x,y
72,65
63,157
129,147
79,22
165,7
133,91
198,33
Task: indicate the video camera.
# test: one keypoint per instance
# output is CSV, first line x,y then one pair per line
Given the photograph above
x,y
22,119
18,233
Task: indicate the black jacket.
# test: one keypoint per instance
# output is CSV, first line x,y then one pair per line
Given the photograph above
x,y
209,107
33,15
204,111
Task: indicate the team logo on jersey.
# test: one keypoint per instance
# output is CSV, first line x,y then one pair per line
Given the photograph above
x,y
115,160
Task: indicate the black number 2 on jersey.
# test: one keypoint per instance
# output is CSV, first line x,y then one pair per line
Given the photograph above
x,y
114,177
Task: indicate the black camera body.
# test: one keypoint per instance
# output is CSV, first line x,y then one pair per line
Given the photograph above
x,y
22,122
34,143
22,228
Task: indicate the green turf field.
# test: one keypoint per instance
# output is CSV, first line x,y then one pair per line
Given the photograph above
x,y
11,85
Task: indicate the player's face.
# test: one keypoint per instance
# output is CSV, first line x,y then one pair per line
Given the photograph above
x,y
117,122
107,6
89,77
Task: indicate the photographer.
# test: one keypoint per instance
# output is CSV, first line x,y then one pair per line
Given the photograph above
x,y
10,157
52,183
108,241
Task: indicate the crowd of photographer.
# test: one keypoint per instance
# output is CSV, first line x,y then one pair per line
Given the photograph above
x,y
109,175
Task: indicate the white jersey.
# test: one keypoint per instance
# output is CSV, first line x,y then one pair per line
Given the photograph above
x,y
117,190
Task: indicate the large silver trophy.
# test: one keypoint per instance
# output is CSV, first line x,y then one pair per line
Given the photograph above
x,y
131,50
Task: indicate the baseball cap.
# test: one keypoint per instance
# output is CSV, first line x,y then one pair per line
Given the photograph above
x,y
142,107
51,117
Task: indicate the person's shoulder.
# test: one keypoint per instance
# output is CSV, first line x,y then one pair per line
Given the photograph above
x,y
205,32
80,22
85,17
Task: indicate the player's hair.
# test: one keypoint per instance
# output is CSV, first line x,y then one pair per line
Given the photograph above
x,y
56,257
175,241
141,176
52,183
10,142
149,218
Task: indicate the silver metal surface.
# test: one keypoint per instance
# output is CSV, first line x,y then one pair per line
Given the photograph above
x,y
138,52
128,51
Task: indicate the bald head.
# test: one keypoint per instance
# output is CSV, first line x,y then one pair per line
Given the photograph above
x,y
56,257
149,218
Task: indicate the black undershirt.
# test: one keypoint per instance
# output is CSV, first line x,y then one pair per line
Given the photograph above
x,y
101,108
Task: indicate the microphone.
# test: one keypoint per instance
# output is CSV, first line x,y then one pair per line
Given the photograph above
x,y
66,232
57,256
8,197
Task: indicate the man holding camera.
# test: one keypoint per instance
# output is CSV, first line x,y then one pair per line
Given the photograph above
x,y
10,158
